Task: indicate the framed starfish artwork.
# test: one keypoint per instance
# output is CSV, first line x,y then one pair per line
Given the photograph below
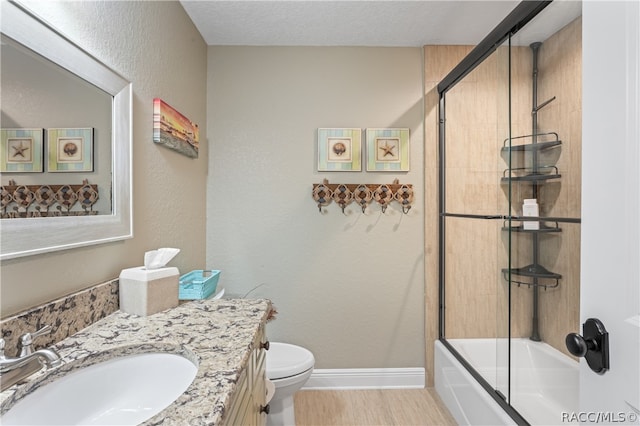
x,y
387,150
21,150
339,150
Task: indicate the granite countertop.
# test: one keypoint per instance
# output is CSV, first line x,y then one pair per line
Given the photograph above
x,y
216,335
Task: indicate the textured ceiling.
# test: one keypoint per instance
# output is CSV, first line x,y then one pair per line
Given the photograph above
x,y
345,23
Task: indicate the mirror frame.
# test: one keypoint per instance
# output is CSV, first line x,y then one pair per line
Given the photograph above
x,y
25,237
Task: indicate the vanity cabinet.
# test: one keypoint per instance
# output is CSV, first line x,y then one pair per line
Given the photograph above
x,y
249,401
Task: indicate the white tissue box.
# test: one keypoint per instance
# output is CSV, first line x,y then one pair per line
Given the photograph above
x,y
147,291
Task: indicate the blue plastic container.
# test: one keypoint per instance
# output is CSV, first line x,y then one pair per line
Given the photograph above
x,y
198,284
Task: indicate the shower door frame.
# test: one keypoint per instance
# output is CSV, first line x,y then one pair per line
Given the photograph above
x,y
518,18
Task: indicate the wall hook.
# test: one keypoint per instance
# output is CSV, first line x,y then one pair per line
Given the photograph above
x,y
342,195
322,195
542,105
383,196
21,201
404,195
362,195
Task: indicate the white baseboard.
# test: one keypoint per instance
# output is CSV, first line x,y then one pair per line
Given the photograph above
x,y
366,378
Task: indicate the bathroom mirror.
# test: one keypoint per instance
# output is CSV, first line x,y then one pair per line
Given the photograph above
x,y
21,30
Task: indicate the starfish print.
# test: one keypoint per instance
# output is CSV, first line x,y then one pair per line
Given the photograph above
x,y
388,150
19,150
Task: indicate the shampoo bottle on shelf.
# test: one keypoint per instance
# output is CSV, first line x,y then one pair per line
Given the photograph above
x,y
530,208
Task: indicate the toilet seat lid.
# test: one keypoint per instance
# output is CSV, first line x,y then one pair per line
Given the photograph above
x,y
286,360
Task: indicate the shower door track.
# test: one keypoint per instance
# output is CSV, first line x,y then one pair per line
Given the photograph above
x,y
498,396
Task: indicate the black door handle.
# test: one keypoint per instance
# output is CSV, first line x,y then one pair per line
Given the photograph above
x,y
593,345
579,346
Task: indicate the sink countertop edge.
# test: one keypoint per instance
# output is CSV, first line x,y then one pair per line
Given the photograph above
x,y
216,335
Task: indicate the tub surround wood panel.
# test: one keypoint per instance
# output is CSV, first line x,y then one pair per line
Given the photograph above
x,y
475,111
217,335
560,75
561,59
439,60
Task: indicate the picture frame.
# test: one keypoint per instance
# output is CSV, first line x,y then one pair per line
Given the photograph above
x,y
387,150
70,150
174,130
21,150
339,149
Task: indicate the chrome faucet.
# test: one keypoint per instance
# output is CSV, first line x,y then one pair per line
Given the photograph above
x,y
13,370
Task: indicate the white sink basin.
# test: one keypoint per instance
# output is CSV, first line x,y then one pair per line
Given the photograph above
x,y
122,391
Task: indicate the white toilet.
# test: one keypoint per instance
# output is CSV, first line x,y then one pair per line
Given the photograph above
x,y
288,368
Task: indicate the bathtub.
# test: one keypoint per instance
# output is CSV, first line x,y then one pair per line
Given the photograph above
x,y
544,382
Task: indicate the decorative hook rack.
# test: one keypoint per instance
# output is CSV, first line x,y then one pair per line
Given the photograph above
x,y
17,200
363,194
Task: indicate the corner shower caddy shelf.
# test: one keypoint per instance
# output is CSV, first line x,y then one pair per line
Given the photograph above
x,y
534,271
536,177
535,165
544,227
537,172
534,275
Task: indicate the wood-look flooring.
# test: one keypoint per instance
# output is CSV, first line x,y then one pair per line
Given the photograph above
x,y
382,407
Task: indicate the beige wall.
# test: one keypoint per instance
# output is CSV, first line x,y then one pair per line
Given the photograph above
x,y
156,46
350,287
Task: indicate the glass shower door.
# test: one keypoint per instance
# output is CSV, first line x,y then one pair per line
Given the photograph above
x,y
544,270
510,142
476,300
